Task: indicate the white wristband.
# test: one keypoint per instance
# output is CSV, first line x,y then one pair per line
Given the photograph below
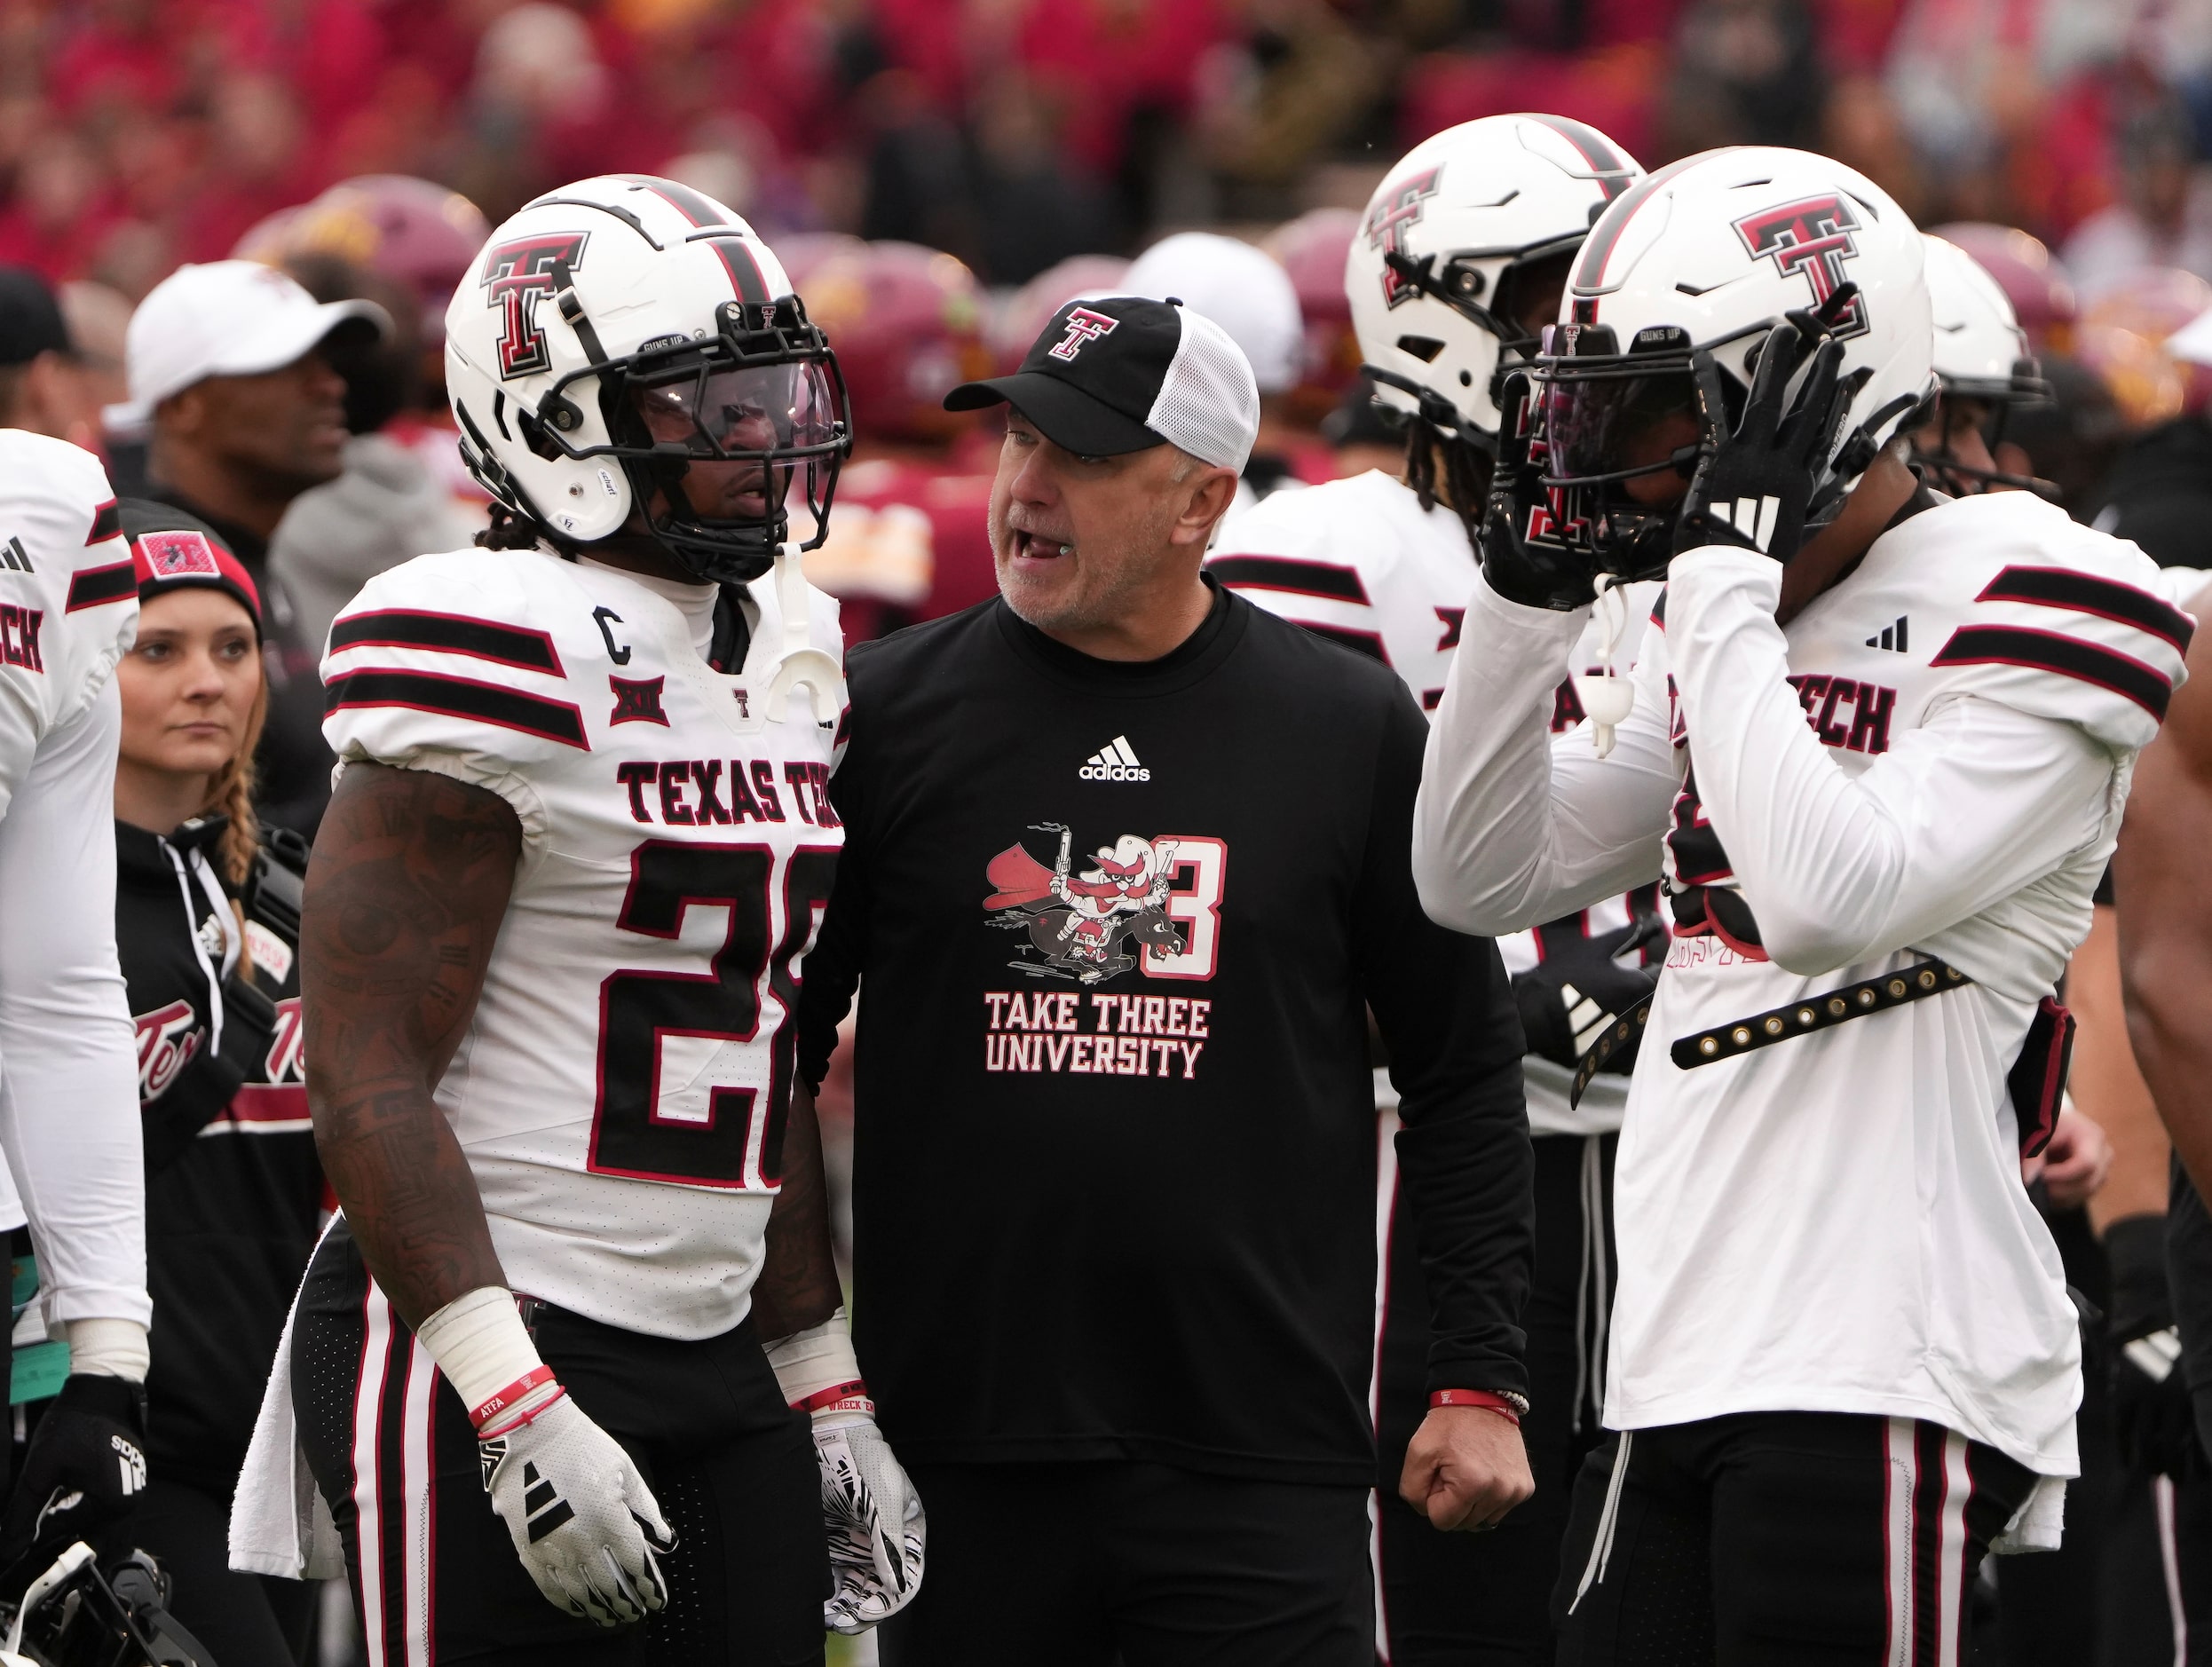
x,y
480,1343
809,1362
110,1349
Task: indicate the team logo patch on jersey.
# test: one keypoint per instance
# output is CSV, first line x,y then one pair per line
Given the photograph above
x,y
638,700
182,554
516,274
1117,760
1083,326
1813,237
1387,225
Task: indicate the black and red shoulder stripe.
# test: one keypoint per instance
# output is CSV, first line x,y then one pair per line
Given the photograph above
x,y
2084,593
2064,656
107,524
449,634
1290,573
459,698
96,587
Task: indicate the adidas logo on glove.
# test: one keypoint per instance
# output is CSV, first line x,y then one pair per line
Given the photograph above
x,y
1117,760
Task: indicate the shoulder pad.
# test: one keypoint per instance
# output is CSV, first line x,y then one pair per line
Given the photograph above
x,y
2069,624
65,579
468,653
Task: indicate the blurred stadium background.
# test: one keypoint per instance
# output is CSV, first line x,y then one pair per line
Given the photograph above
x,y
1017,152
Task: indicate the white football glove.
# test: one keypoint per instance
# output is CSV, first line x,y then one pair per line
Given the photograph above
x,y
876,1529
583,1519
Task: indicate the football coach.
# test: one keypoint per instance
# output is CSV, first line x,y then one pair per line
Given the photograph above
x,y
1127,866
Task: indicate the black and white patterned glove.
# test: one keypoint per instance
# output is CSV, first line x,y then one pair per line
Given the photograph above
x,y
877,1532
1575,994
1523,557
584,1523
84,1469
2153,1418
1755,481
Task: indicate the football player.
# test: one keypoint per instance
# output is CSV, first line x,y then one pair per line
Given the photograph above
x,y
552,945
1878,747
68,1079
1455,269
1986,373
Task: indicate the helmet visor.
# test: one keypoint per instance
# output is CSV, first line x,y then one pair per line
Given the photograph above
x,y
1641,430
748,429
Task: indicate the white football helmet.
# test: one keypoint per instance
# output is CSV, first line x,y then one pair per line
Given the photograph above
x,y
1459,225
627,343
1702,259
1980,350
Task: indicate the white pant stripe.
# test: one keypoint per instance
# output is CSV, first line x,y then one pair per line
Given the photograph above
x,y
1386,1211
419,1470
1958,1486
1897,1479
368,1399
2170,1560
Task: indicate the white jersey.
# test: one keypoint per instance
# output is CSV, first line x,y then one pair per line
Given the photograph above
x,y
69,1075
1930,761
1360,562
621,1089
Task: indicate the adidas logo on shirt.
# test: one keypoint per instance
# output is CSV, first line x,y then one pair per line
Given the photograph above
x,y
1890,637
1117,760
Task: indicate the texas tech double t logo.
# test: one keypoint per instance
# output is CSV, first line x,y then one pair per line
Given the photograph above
x,y
1387,223
515,275
1813,237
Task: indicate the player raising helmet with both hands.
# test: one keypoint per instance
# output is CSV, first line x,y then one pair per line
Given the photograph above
x,y
552,934
1878,748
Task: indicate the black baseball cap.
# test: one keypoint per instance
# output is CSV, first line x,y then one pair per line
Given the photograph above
x,y
1119,374
30,318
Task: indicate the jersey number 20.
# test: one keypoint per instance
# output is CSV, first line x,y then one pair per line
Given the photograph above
x,y
660,1115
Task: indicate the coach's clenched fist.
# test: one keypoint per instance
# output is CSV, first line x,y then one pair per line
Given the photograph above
x,y
1465,1468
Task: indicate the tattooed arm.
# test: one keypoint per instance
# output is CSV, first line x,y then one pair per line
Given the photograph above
x,y
797,1287
410,879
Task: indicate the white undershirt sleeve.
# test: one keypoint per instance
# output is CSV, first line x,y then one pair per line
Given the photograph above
x,y
1964,811
1514,826
69,1069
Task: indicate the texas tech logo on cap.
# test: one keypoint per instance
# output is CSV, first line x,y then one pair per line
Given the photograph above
x,y
515,275
1387,225
1813,237
1083,326
183,554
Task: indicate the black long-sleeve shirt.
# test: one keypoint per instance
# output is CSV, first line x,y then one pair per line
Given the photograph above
x,y
1116,1152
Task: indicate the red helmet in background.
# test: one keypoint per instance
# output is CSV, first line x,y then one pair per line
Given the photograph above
x,y
2123,337
418,234
1032,306
2033,279
1312,249
907,323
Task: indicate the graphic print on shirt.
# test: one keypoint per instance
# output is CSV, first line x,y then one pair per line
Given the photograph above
x,y
1125,908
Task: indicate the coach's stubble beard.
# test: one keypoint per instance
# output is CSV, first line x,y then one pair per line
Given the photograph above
x,y
1101,581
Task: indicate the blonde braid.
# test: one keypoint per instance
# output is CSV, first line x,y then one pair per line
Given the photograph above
x,y
230,794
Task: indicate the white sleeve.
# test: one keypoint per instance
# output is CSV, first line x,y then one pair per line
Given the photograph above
x,y
1514,826
68,1067
1962,812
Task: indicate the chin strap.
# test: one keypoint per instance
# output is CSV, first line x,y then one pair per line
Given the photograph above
x,y
801,662
1606,697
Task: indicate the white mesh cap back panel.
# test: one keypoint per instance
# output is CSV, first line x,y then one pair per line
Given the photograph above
x,y
1208,403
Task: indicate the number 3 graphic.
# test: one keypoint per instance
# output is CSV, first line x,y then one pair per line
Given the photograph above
x,y
1197,911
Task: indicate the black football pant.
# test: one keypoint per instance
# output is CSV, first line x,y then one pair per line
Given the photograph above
x,y
1143,1565
435,1576
1483,1600
1780,1539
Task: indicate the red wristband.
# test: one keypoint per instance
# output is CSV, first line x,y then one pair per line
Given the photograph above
x,y
850,1396
507,1397
1489,1401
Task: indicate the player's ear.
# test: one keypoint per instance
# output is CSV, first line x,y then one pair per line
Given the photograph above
x,y
1209,492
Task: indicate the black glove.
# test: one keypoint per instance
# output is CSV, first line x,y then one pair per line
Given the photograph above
x,y
1567,998
202,1088
1522,555
2153,1421
86,1467
1754,483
